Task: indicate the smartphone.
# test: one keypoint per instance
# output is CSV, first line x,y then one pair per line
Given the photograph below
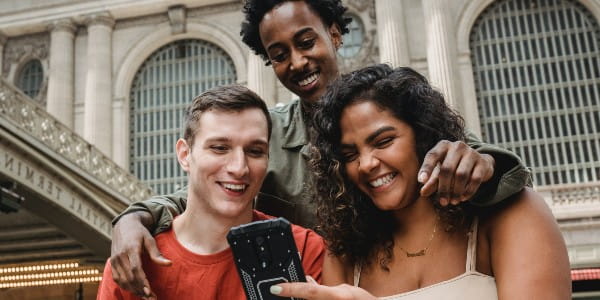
x,y
265,254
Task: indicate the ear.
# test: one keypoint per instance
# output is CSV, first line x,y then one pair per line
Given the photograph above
x,y
183,151
336,35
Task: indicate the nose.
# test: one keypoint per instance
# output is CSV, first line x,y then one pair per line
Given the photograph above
x,y
367,162
237,165
297,61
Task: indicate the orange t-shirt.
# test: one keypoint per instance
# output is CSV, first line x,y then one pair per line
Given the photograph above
x,y
193,276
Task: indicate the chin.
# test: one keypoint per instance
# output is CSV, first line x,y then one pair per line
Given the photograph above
x,y
389,205
386,206
234,210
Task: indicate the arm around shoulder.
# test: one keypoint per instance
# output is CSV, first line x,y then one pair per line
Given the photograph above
x,y
527,251
158,212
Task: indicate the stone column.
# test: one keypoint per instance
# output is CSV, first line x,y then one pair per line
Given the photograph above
x,y
441,50
261,79
2,42
60,78
391,33
97,123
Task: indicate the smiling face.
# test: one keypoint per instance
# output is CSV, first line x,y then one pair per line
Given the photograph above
x,y
301,48
227,161
380,155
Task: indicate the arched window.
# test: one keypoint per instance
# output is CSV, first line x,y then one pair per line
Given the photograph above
x,y
354,39
30,78
162,89
537,76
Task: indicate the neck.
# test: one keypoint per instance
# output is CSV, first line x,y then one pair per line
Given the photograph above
x,y
417,218
203,232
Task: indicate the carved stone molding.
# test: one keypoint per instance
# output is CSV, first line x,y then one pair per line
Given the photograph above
x,y
66,25
141,21
16,50
104,19
39,124
177,19
573,200
215,9
576,195
368,53
359,5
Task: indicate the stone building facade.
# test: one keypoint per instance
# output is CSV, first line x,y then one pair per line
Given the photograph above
x,y
525,74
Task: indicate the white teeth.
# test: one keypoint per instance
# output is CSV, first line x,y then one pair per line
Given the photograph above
x,y
382,180
308,80
234,187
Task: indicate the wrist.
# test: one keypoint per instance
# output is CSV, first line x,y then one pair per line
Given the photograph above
x,y
138,217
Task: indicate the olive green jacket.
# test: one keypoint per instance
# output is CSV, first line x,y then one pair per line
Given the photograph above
x,y
286,192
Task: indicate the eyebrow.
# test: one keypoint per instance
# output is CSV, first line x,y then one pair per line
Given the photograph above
x,y
218,139
228,140
372,136
296,35
378,132
302,31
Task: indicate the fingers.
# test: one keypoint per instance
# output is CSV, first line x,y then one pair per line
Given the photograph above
x,y
431,160
462,177
154,253
312,291
123,273
455,171
482,172
137,278
297,290
431,185
129,237
309,291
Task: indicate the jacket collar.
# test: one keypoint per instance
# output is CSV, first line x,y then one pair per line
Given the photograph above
x,y
295,134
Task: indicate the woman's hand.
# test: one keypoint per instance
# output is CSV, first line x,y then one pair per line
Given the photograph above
x,y
312,291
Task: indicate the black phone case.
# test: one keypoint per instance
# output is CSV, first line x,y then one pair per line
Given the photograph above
x,y
265,254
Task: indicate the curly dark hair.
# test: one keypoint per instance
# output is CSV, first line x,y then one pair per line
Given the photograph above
x,y
330,12
354,228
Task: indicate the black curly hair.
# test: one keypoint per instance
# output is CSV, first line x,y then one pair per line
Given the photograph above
x,y
354,228
330,12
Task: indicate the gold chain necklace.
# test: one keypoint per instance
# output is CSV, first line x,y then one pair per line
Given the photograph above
x,y
423,251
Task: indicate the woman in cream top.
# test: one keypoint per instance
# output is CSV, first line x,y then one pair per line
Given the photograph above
x,y
384,238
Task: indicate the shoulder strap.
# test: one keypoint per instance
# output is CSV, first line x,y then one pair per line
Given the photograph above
x,y
357,270
472,247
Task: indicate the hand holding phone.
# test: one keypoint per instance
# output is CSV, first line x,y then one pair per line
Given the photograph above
x,y
265,254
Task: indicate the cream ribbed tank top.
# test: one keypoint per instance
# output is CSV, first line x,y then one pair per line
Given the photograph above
x,y
470,285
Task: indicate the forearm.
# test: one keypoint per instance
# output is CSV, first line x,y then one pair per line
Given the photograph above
x,y
158,212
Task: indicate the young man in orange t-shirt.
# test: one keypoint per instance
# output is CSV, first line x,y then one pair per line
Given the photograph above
x,y
225,151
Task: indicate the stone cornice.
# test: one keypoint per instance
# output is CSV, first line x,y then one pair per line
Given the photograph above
x,y
35,18
65,24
